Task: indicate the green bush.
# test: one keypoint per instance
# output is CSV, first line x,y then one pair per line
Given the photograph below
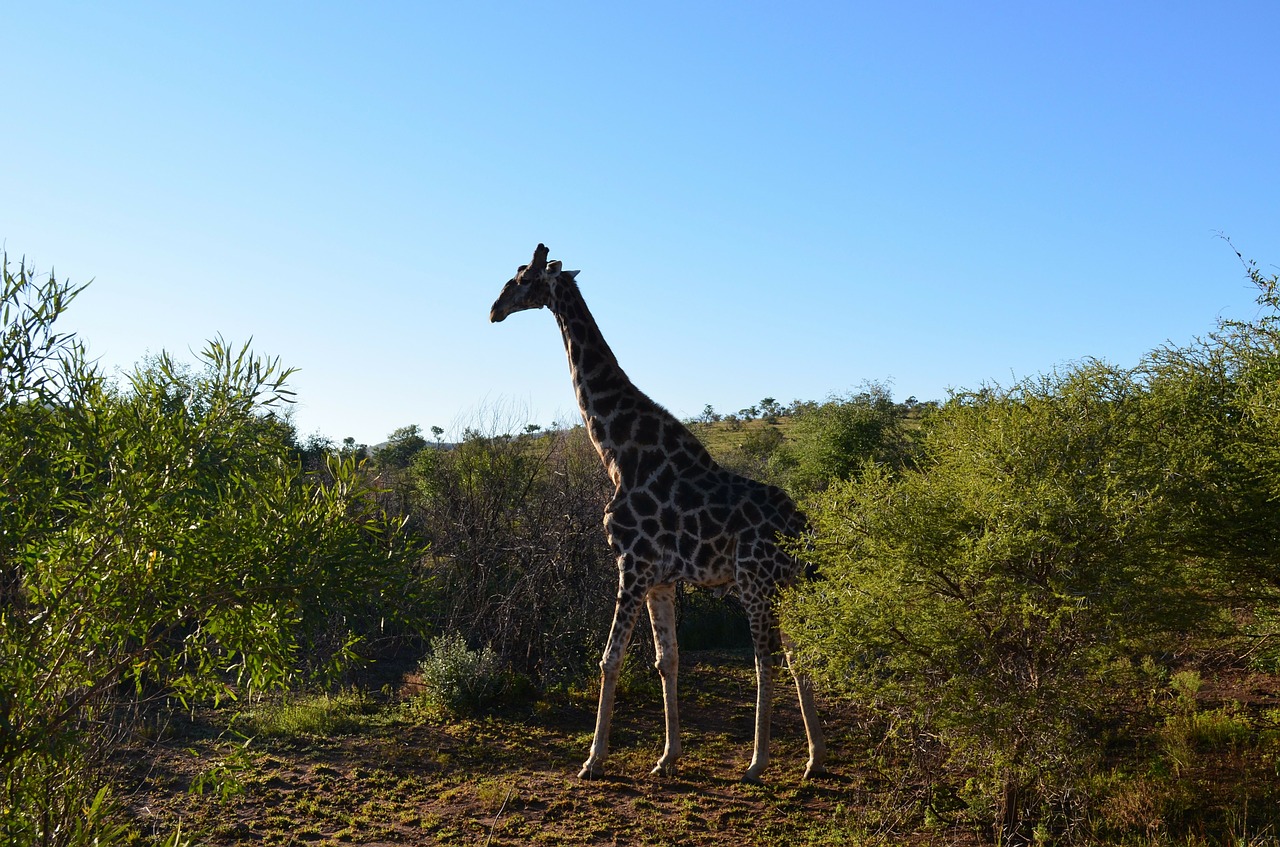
x,y
832,441
987,599
518,553
999,601
458,681
159,540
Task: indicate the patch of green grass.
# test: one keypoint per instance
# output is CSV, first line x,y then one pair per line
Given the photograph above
x,y
723,437
310,715
638,679
493,794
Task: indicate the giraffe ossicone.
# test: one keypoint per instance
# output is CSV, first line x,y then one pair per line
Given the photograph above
x,y
675,515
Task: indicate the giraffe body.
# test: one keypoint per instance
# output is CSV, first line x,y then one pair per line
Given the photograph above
x,y
675,515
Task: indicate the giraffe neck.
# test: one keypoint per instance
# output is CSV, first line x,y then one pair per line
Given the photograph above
x,y
594,367
620,418
598,380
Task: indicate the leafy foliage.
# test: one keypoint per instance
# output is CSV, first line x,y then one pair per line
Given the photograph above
x,y
458,681
402,445
514,527
162,542
834,440
996,601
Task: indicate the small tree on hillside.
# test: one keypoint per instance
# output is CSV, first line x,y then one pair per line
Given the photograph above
x,y
402,445
834,440
770,410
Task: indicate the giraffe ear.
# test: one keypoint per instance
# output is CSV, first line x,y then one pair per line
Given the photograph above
x,y
553,268
570,274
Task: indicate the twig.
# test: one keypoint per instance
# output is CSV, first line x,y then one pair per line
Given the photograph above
x,y
501,808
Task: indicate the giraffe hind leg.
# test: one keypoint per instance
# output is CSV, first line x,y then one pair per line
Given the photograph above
x,y
662,615
817,764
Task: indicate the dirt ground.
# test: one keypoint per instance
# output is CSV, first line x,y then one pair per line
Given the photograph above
x,y
392,777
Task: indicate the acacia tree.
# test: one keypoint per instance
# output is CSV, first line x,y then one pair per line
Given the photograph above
x,y
993,601
1219,402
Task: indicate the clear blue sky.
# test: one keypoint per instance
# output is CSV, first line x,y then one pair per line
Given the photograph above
x,y
764,199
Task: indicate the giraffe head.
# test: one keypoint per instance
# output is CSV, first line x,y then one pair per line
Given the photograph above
x,y
530,288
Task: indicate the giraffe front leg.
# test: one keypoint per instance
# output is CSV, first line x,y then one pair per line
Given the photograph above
x,y
662,616
764,703
624,619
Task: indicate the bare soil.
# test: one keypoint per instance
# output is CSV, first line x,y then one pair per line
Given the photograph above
x,y
510,778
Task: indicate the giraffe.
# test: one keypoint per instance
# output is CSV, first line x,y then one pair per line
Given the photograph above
x,y
675,515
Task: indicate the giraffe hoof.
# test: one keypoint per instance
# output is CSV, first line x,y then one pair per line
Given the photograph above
x,y
667,769
754,770
591,771
816,772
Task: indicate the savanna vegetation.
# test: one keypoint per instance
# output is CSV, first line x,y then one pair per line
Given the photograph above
x,y
1045,613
